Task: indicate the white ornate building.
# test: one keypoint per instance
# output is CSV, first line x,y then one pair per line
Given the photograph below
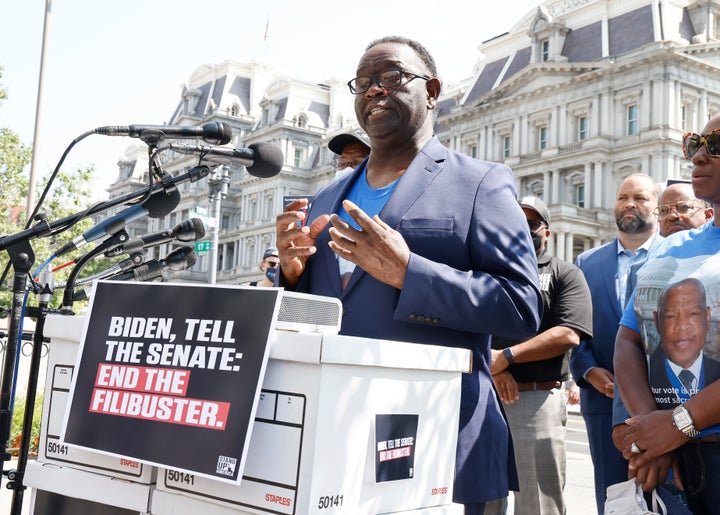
x,y
579,94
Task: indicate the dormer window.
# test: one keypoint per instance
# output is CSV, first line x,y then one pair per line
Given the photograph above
x,y
545,49
548,37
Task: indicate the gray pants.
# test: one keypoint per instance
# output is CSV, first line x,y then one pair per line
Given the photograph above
x,y
538,422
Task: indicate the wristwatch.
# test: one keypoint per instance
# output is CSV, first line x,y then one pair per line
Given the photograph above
x,y
509,355
684,422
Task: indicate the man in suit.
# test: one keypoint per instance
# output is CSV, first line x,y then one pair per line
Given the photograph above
x,y
606,271
425,245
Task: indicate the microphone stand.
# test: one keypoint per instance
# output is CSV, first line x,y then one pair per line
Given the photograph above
x,y
22,258
45,228
17,475
113,241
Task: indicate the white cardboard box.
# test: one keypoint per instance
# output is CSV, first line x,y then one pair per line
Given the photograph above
x,y
65,333
312,445
165,502
80,484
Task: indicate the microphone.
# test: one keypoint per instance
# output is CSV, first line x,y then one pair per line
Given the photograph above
x,y
181,258
261,159
157,205
187,230
217,133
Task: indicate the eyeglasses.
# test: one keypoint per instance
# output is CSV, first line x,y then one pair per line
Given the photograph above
x,y
271,264
340,163
692,143
682,208
535,224
389,80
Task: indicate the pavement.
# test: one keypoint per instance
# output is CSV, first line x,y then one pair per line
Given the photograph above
x,y
579,491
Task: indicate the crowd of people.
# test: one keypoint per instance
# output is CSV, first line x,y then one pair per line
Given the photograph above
x,y
426,245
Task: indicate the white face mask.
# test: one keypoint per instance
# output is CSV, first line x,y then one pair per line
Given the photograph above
x,y
339,174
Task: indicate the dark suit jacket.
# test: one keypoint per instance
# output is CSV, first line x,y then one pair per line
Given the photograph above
x,y
665,397
472,273
600,268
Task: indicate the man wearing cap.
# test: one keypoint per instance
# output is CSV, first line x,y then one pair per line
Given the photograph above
x,y
268,265
529,375
352,149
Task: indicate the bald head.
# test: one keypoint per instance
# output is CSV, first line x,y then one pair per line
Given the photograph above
x,y
684,210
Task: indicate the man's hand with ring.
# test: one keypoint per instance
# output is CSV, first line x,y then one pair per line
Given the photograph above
x,y
634,448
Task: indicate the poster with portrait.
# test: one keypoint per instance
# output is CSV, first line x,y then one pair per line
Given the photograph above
x,y
170,374
677,304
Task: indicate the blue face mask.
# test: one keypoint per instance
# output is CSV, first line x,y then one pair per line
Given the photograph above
x,y
270,274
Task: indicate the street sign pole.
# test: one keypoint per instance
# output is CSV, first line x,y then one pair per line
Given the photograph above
x,y
219,181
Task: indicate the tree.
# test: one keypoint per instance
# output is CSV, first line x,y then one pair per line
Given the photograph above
x,y
69,194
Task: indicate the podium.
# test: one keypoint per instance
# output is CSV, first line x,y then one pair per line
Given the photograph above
x,y
315,448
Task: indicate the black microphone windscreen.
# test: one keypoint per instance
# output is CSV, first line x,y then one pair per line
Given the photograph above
x,y
198,227
268,160
217,133
191,260
161,203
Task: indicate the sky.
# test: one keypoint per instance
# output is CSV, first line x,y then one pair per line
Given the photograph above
x,y
124,62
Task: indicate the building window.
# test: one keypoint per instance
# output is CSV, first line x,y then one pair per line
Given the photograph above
x,y
542,137
252,210
545,49
269,206
580,195
632,119
301,121
507,143
582,128
298,158
473,151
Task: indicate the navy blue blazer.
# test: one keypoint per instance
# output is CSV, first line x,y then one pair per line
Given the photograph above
x,y
600,268
472,273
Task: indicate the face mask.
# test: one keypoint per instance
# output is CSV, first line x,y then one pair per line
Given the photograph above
x,y
537,240
270,274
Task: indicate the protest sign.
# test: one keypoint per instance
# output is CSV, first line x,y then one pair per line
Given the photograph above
x,y
170,374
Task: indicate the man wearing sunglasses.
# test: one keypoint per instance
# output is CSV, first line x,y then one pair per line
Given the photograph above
x,y
688,434
435,247
529,374
268,265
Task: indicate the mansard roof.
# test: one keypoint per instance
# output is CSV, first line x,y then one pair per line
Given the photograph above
x,y
582,33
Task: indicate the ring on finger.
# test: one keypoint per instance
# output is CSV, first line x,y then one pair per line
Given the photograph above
x,y
634,448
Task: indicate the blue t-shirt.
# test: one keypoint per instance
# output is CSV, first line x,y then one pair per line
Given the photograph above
x,y
369,200
366,198
689,260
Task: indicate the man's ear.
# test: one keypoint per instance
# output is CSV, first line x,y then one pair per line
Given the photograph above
x,y
433,87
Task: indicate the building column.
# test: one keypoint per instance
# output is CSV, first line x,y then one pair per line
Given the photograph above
x,y
546,186
569,243
598,186
560,246
702,112
555,195
589,188
550,244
